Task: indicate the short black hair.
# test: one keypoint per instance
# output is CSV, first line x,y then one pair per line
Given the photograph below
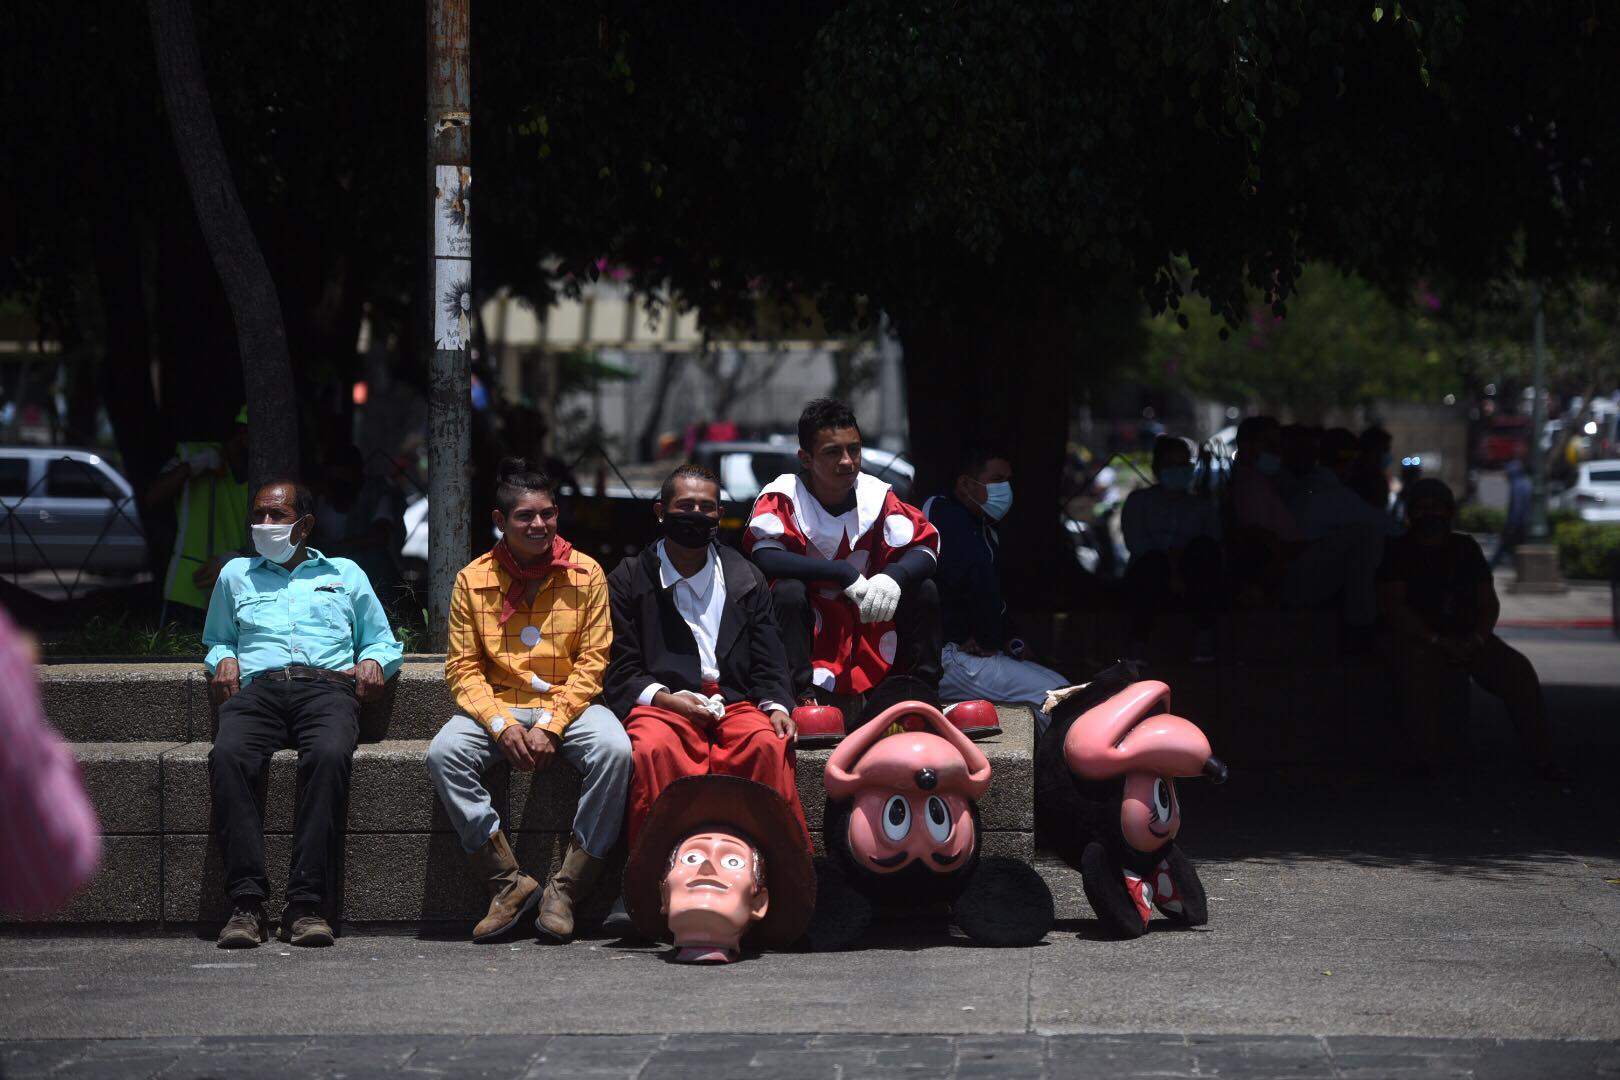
x,y
515,477
823,414
972,457
693,470
1164,444
303,498
1337,444
1376,439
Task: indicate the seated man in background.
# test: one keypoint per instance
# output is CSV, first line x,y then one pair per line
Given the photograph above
x,y
1173,536
982,657
1436,593
1326,504
1273,555
851,570
529,636
698,671
296,641
360,517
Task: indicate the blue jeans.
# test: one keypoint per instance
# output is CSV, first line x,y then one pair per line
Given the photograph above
x,y
594,744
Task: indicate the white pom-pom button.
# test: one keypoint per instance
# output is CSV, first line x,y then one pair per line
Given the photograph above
x,y
887,645
530,636
823,678
898,530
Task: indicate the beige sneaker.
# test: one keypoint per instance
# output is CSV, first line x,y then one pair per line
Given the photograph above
x,y
247,928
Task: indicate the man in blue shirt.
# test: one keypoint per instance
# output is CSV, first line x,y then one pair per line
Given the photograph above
x,y
296,642
982,658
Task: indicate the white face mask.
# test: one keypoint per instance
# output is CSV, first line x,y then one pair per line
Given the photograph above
x,y
275,542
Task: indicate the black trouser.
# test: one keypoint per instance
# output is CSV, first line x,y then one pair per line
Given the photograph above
x,y
1151,583
320,720
916,623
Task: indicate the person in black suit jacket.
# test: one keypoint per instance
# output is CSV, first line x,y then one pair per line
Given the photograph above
x,y
697,670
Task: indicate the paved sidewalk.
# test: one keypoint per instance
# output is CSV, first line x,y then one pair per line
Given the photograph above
x,y
1586,604
790,1057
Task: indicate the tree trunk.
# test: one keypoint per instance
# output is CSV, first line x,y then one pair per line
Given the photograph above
x,y
255,308
998,377
126,366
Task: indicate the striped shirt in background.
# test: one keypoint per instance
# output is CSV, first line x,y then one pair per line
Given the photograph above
x,y
50,840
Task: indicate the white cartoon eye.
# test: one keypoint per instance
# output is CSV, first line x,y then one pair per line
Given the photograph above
x,y
1161,801
692,858
938,819
732,862
896,818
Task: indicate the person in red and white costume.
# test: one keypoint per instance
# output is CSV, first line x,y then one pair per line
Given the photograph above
x,y
851,570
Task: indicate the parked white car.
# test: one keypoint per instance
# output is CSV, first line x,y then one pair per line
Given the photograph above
x,y
67,510
1595,494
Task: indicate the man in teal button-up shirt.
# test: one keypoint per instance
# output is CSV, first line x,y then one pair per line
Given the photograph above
x,y
296,641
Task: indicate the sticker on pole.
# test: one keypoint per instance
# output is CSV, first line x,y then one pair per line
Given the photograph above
x,y
452,216
452,308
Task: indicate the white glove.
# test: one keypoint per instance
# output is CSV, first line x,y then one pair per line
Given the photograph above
x,y
855,590
206,460
880,600
715,704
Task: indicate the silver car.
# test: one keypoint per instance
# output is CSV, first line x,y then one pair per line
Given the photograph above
x,y
66,510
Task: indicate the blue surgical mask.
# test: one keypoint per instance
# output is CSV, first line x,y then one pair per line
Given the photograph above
x,y
1177,477
1269,464
997,500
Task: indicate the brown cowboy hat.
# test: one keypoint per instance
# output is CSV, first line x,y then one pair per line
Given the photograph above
x,y
745,808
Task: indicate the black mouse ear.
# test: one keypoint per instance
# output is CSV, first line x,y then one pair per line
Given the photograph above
x,y
1006,903
842,912
1104,883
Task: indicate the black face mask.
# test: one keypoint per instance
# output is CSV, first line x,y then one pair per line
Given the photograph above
x,y
689,529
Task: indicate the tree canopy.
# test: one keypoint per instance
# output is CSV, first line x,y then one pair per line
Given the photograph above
x,y
1010,180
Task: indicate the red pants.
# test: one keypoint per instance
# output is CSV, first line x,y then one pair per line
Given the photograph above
x,y
665,746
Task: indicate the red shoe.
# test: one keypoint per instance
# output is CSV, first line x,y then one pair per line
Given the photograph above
x,y
819,725
975,719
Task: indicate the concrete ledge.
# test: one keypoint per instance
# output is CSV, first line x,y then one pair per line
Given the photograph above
x,y
124,702
400,862
127,889
124,781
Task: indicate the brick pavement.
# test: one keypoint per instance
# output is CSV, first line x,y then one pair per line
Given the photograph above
x,y
790,1057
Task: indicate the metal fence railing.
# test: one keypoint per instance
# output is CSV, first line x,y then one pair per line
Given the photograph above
x,y
34,526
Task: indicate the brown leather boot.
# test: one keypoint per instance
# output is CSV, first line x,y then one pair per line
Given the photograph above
x,y
567,887
512,893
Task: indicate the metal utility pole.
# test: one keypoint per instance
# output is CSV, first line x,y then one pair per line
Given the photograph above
x,y
1538,422
450,313
1536,561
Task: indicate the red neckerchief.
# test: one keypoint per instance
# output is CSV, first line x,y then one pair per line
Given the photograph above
x,y
523,575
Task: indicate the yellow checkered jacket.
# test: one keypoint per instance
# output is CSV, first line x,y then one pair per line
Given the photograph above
x,y
549,655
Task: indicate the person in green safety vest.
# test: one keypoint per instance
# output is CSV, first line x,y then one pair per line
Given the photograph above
x,y
208,483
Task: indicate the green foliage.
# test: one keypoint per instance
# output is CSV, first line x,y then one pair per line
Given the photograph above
x,y
1341,343
122,635
1478,518
1588,549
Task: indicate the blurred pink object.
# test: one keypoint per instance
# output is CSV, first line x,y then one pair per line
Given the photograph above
x,y
50,840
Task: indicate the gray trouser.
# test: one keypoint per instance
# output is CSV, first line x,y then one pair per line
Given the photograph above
x,y
594,744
